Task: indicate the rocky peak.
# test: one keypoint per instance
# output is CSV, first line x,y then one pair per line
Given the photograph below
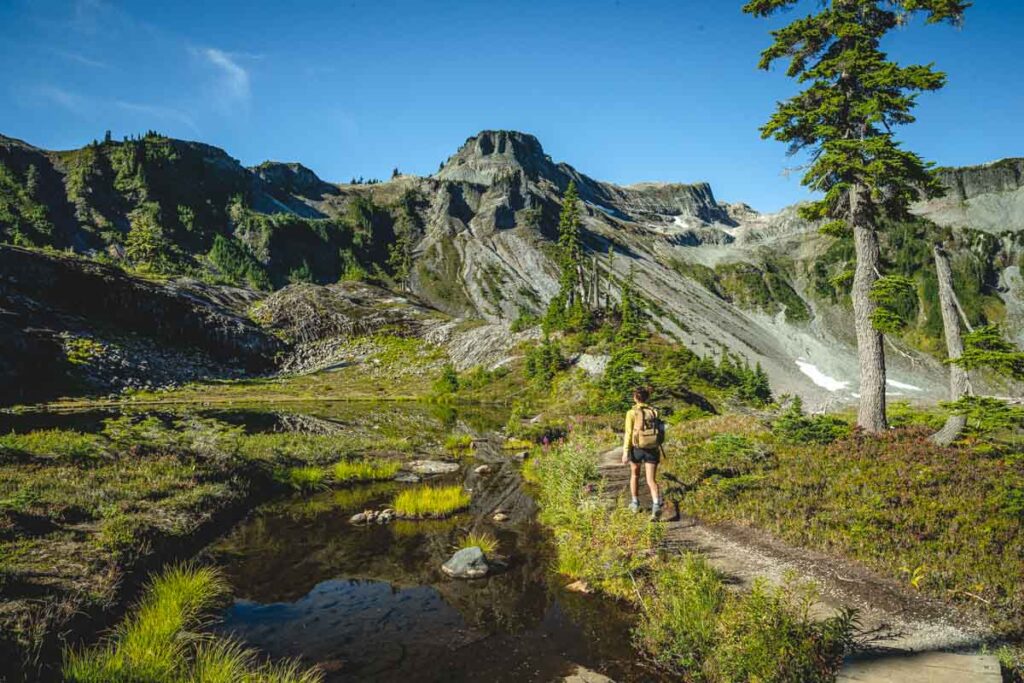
x,y
495,153
1004,175
294,178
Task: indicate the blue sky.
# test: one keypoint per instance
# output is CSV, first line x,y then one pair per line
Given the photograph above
x,y
625,91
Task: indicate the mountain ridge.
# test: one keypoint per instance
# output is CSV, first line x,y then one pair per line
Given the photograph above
x,y
480,232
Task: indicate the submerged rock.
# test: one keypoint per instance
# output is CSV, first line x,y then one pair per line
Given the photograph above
x,y
408,478
468,563
584,675
580,586
373,516
432,467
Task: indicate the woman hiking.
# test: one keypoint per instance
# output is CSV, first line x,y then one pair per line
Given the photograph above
x,y
641,447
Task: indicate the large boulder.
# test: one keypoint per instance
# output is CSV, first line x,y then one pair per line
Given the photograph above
x,y
468,563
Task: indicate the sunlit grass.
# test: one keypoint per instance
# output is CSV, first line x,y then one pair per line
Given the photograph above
x,y
459,444
305,478
430,501
60,443
480,539
158,643
348,471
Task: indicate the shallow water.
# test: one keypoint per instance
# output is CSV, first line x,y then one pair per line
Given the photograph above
x,y
369,603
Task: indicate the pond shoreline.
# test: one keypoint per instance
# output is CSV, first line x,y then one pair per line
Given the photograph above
x,y
88,623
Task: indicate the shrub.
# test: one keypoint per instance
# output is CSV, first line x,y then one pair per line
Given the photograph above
x,y
544,361
678,627
448,381
768,634
693,627
430,501
795,427
82,350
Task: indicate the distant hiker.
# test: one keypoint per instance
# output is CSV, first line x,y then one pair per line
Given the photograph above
x,y
641,446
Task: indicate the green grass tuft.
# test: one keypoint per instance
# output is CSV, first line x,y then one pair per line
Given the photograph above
x,y
483,540
460,444
306,478
348,471
157,642
430,501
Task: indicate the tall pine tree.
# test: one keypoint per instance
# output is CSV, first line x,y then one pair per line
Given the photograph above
x,y
854,97
566,308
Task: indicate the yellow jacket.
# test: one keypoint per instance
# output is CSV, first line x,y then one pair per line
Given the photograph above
x,y
627,437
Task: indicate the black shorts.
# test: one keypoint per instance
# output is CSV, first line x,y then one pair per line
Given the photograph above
x,y
639,455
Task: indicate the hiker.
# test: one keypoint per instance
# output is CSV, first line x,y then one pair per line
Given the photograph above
x,y
641,447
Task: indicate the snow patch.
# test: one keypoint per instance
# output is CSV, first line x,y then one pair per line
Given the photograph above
x,y
901,385
819,377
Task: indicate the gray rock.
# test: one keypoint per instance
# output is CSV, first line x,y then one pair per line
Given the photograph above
x,y
483,469
584,675
432,466
593,365
408,478
468,563
521,456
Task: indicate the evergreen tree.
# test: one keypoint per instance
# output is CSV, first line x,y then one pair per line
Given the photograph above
x,y
400,252
631,316
754,386
301,274
570,246
448,381
622,376
544,361
32,181
854,96
145,246
567,305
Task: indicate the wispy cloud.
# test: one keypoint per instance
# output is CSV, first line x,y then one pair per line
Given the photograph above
x,y
145,114
233,79
73,102
156,111
81,59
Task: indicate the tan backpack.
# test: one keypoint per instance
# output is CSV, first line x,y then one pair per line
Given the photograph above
x,y
648,429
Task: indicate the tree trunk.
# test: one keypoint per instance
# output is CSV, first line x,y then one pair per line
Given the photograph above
x,y
870,352
959,382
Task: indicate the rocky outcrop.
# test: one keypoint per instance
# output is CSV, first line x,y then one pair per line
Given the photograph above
x,y
967,182
155,333
988,197
305,312
108,296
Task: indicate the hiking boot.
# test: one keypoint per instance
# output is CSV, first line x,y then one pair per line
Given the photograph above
x,y
655,512
634,506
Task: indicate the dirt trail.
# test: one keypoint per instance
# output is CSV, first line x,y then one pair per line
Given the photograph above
x,y
896,623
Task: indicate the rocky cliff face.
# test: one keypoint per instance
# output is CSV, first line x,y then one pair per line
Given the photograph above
x,y
482,230
988,197
65,319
